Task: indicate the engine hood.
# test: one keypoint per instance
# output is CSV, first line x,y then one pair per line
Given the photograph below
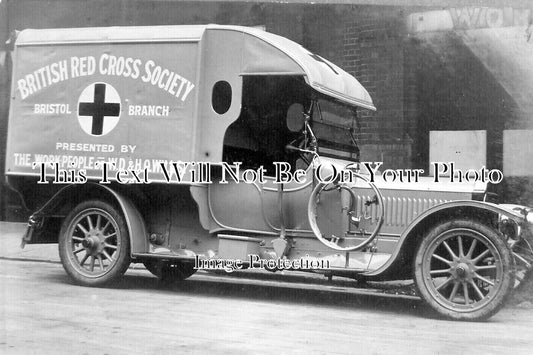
x,y
423,183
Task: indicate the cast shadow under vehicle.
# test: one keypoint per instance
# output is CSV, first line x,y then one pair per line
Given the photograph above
x,y
342,294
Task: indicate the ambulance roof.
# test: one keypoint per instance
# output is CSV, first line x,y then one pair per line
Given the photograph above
x,y
320,74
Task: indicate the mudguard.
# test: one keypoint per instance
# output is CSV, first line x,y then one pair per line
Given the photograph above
x,y
410,236
134,220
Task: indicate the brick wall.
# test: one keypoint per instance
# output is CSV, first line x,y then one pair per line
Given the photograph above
x,y
369,43
373,51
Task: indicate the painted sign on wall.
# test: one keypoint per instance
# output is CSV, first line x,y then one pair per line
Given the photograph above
x,y
467,18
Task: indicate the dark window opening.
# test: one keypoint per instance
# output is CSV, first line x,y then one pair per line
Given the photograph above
x,y
260,134
221,98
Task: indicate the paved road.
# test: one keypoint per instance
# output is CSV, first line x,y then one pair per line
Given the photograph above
x,y
43,313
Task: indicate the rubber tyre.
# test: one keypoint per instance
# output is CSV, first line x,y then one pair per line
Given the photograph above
x,y
488,306
121,255
170,272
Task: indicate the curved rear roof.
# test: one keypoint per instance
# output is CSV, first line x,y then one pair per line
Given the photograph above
x,y
321,74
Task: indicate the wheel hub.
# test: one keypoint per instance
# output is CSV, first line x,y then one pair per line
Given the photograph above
x,y
462,272
93,244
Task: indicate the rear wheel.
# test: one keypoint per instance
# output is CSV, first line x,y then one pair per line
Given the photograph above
x,y
463,270
170,272
94,244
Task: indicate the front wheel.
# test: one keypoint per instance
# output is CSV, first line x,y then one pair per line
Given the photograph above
x,y
94,244
463,270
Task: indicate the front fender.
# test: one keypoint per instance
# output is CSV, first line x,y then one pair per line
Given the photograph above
x,y
400,262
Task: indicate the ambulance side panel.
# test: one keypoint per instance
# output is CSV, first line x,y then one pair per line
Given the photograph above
x,y
129,104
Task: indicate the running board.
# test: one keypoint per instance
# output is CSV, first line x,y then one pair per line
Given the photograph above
x,y
163,256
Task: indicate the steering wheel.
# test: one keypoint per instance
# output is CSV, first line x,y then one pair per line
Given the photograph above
x,y
342,242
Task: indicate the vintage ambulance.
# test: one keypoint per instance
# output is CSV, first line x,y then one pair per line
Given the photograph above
x,y
185,146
